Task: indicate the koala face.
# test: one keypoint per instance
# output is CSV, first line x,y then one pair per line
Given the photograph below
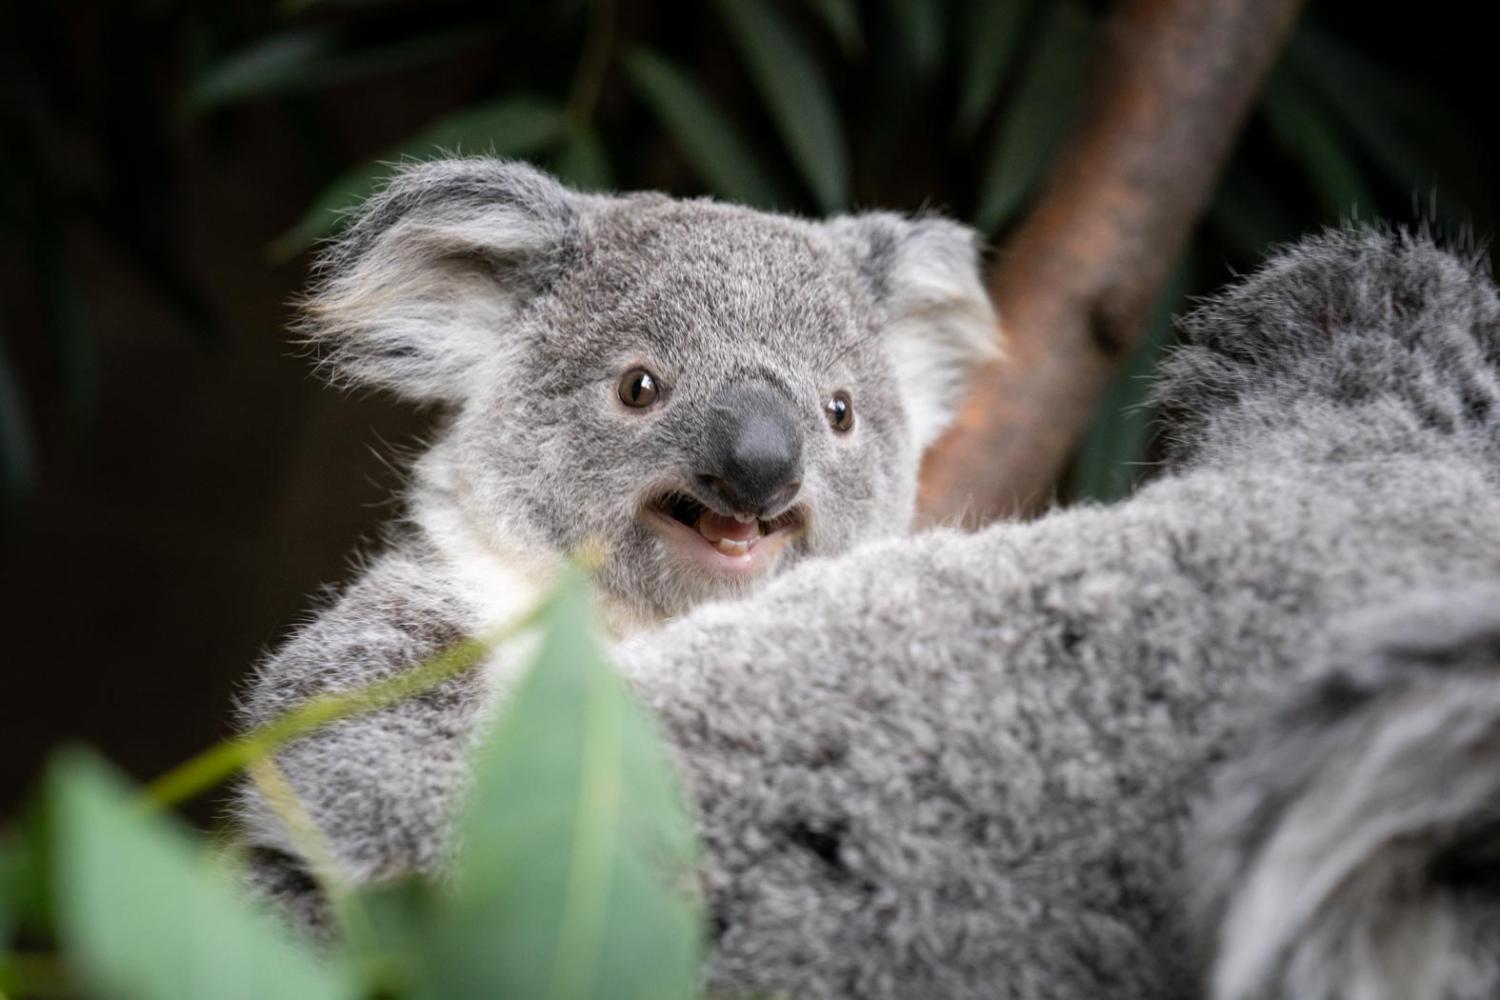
x,y
703,392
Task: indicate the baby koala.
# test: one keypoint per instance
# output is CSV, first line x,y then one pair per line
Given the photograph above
x,y
699,393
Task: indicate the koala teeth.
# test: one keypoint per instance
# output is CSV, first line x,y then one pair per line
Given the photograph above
x,y
744,518
732,548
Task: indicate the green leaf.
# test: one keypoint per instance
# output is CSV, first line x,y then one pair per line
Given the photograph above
x,y
576,852
992,32
1248,215
701,130
581,161
1400,127
145,913
843,20
1047,101
511,126
307,59
1307,133
797,96
1114,450
920,25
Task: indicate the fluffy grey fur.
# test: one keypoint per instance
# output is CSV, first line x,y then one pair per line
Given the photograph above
x,y
978,765
490,289
487,286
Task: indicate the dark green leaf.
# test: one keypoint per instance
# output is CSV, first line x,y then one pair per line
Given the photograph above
x,y
797,96
1404,131
145,913
1307,133
920,24
576,852
1248,216
843,20
992,32
1114,450
511,126
581,161
701,130
307,59
1046,104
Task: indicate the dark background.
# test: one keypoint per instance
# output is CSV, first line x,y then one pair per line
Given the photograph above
x,y
175,485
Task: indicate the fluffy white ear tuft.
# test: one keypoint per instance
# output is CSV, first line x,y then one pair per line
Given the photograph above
x,y
940,325
418,290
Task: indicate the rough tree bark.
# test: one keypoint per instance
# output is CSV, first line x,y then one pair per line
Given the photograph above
x,y
1171,89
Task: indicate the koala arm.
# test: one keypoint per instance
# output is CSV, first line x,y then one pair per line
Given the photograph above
x,y
378,786
1353,847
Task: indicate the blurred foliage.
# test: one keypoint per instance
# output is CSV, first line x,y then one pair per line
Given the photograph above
x,y
581,888
799,105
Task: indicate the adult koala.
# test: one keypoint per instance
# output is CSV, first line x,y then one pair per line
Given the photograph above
x,y
981,765
701,393
977,765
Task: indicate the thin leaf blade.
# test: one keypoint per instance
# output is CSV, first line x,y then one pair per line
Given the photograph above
x,y
797,96
144,913
701,130
510,126
1046,103
575,847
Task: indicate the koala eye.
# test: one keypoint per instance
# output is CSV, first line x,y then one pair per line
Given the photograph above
x,y
840,411
638,388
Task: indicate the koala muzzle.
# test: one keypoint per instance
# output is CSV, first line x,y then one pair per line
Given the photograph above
x,y
751,458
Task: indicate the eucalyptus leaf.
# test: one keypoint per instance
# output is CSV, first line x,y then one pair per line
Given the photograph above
x,y
1047,101
921,26
701,129
510,126
581,161
143,912
1306,131
576,852
992,33
796,94
306,59
843,20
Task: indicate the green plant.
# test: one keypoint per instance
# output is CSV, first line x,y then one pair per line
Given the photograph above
x,y
799,105
573,881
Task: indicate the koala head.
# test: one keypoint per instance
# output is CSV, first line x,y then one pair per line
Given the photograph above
x,y
702,391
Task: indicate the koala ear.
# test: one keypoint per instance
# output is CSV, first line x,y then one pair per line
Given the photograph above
x,y
417,291
940,325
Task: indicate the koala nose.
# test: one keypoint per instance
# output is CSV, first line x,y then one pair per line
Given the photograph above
x,y
753,460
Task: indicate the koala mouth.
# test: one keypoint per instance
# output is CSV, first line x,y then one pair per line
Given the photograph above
x,y
737,542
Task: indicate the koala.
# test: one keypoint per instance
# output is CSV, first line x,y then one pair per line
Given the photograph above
x,y
1237,736
699,394
703,392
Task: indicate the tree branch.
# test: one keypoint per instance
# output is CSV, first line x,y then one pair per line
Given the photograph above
x,y
1174,83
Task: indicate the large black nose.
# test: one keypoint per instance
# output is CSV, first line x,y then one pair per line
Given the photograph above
x,y
751,457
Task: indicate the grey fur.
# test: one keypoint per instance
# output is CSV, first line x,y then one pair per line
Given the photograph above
x,y
488,287
976,765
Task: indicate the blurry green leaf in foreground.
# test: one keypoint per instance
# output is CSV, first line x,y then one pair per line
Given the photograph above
x,y
308,58
143,912
843,20
511,126
701,130
1035,123
796,94
576,856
